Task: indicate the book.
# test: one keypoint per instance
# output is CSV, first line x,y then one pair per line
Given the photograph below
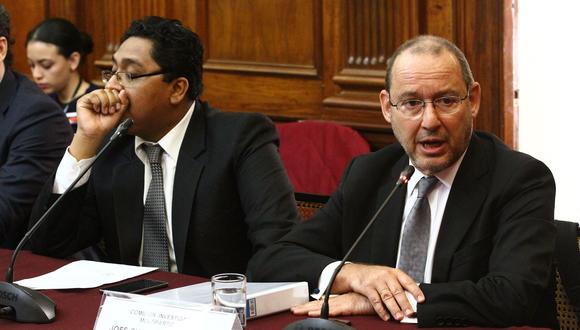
x,y
262,298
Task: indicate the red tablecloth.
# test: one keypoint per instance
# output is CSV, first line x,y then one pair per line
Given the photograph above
x,y
77,309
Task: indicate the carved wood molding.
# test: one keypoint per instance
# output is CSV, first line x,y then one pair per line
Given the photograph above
x,y
360,77
367,32
343,101
257,67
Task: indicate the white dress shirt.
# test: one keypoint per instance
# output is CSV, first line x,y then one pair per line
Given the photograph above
x,y
69,168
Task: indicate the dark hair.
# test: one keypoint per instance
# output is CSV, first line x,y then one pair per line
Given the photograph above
x,y
5,32
428,44
64,35
176,49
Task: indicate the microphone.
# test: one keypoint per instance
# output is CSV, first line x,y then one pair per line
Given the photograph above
x,y
323,323
120,131
23,304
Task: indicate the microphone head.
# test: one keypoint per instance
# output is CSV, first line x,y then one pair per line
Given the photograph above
x,y
122,128
406,175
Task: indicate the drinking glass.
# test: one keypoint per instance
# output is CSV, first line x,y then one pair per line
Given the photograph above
x,y
229,290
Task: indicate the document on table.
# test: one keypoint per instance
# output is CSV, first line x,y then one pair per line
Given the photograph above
x,y
84,274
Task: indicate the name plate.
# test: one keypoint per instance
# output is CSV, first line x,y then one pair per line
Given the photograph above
x,y
125,311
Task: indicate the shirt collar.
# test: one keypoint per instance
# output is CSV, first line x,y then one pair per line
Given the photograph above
x,y
171,142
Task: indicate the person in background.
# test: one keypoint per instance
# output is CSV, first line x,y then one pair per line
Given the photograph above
x,y
55,49
190,189
33,136
469,241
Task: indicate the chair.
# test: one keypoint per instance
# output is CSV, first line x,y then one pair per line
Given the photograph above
x,y
309,204
567,293
315,153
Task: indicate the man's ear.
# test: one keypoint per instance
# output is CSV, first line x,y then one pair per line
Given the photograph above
x,y
475,99
3,48
386,109
179,88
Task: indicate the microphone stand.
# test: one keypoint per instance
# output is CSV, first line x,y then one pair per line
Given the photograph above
x,y
323,323
23,304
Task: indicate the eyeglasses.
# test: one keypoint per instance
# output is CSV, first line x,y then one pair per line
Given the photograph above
x,y
414,108
126,78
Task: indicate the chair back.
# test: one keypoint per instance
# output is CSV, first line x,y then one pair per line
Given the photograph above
x,y
315,153
309,204
567,260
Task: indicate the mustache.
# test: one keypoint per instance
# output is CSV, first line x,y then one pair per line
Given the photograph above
x,y
424,135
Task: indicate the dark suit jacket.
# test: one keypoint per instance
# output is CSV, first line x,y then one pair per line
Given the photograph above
x,y
34,133
492,262
231,198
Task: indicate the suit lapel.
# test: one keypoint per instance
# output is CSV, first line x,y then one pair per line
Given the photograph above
x,y
467,194
8,88
128,204
187,174
385,235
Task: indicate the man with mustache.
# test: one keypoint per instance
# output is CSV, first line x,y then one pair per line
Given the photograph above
x,y
468,242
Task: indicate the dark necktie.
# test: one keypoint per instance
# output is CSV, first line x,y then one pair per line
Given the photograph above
x,y
415,239
155,245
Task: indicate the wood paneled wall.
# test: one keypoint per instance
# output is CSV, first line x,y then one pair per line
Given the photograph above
x,y
307,59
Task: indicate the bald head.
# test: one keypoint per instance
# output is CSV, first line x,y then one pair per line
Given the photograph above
x,y
430,45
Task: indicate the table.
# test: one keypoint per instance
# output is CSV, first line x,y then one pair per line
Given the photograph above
x,y
77,309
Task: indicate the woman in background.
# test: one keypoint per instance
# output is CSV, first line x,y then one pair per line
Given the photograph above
x,y
55,49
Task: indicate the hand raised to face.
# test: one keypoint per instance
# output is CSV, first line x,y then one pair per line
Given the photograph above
x,y
99,111
97,114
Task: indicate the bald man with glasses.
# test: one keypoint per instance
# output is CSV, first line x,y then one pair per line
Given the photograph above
x,y
468,242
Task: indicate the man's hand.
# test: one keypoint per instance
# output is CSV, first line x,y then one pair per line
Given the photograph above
x,y
382,286
345,304
97,114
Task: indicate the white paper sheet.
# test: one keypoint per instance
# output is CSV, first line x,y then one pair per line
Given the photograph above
x,y
84,274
